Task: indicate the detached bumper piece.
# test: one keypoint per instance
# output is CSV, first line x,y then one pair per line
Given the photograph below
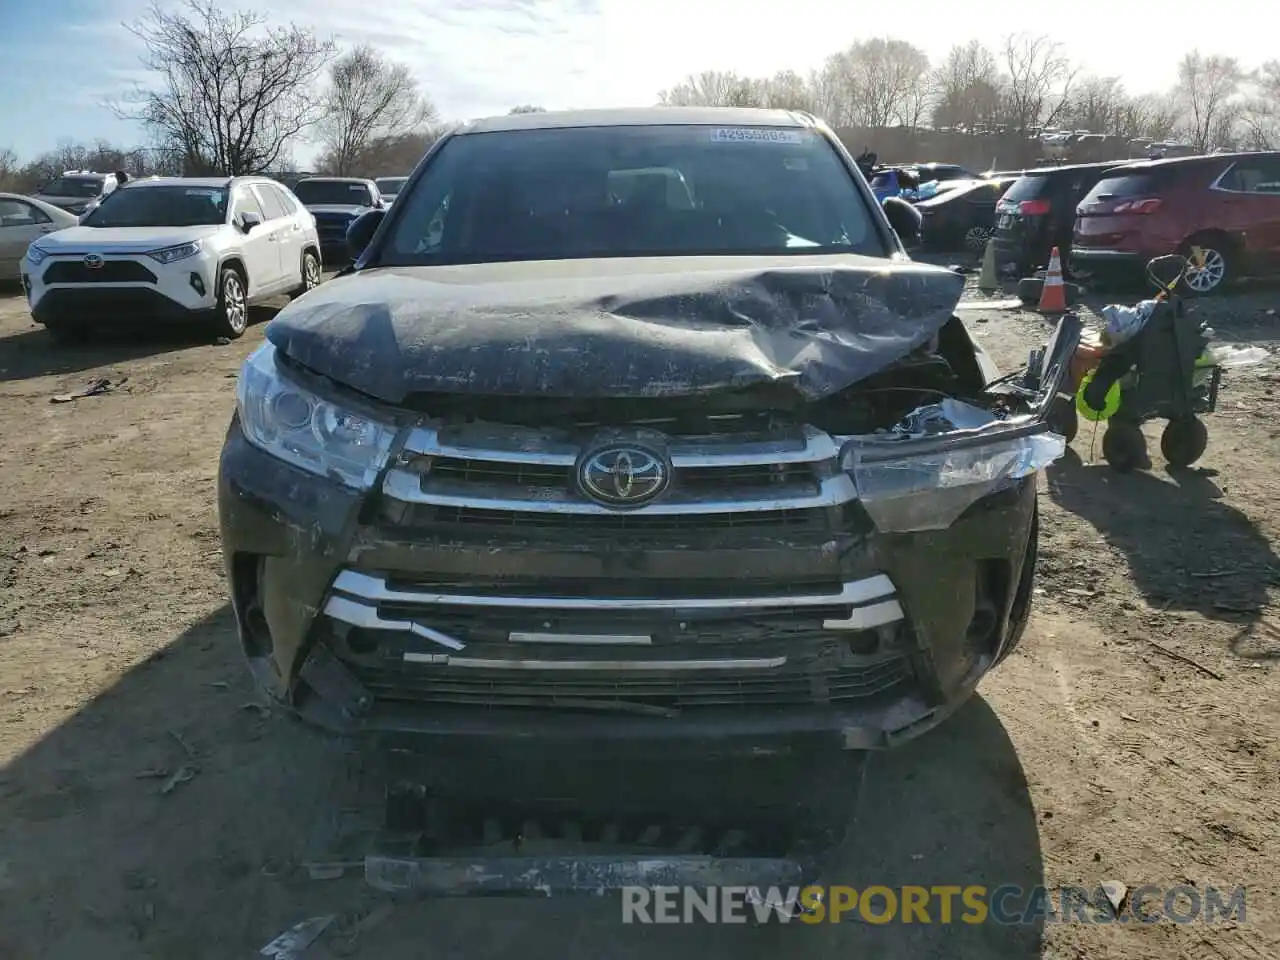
x,y
638,656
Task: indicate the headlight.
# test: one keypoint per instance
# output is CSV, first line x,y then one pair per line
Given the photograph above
x,y
291,423
926,484
36,255
173,254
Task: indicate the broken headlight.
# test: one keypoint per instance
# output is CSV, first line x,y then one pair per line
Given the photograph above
x,y
292,423
925,481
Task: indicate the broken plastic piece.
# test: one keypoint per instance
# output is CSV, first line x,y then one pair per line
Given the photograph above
x,y
940,460
291,944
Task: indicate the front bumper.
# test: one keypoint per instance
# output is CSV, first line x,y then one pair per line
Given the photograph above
x,y
352,621
125,289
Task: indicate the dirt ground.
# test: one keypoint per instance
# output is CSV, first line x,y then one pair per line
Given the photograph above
x,y
1093,754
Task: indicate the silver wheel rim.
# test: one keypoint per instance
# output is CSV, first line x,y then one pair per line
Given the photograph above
x,y
233,302
976,238
1205,278
311,273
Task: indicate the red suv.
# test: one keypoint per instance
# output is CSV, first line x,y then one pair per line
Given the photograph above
x,y
1227,204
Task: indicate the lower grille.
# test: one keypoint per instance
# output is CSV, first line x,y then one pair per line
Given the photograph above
x,y
404,642
515,689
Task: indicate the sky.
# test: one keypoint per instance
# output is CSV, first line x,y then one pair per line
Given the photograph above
x,y
65,61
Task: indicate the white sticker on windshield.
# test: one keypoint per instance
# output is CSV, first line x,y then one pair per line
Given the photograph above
x,y
755,135
213,193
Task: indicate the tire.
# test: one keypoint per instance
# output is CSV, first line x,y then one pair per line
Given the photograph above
x,y
976,238
311,273
1183,441
66,334
1020,611
1124,446
233,304
1030,289
1063,418
1218,270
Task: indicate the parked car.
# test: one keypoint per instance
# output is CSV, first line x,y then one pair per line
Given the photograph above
x,y
22,220
553,474
1037,213
927,172
335,202
174,250
963,218
1227,205
76,190
389,187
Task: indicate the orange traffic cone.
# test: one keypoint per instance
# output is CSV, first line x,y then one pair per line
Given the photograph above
x,y
1053,297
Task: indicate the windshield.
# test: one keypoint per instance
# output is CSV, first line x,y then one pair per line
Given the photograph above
x,y
167,206
390,186
1133,185
621,191
87,187
1026,188
347,192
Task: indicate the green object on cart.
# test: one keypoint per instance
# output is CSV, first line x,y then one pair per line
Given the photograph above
x,y
1109,405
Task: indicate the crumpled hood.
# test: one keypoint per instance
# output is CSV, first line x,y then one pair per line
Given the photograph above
x,y
617,328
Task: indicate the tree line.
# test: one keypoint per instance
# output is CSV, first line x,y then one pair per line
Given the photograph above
x,y
1026,84
232,93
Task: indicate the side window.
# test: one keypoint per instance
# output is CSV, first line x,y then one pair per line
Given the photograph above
x,y
285,199
16,213
246,202
270,201
1253,176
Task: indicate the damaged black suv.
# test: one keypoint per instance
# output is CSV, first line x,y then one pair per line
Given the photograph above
x,y
630,429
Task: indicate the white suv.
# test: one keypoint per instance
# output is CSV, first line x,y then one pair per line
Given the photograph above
x,y
174,249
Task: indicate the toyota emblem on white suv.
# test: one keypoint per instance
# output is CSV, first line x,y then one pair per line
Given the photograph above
x,y
93,261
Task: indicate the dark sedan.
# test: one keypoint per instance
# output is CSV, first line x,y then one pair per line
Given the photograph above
x,y
963,218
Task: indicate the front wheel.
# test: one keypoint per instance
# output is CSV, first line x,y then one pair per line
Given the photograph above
x,y
1214,271
310,274
233,304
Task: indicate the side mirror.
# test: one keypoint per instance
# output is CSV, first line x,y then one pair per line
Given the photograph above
x,y
905,219
249,220
361,231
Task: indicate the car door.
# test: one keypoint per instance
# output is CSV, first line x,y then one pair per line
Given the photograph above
x,y
278,223
1251,191
300,229
20,223
259,247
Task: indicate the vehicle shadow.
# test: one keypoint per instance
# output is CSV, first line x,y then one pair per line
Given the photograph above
x,y
1186,549
32,352
169,818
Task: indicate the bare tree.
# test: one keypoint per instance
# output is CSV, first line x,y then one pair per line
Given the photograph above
x,y
9,169
527,108
787,90
1206,86
713,88
1261,114
1097,104
368,98
966,87
1153,116
1037,82
872,83
231,91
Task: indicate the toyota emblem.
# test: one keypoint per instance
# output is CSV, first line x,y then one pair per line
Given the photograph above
x,y
623,475
92,261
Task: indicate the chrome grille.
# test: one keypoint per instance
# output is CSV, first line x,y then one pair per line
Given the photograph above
x,y
512,476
